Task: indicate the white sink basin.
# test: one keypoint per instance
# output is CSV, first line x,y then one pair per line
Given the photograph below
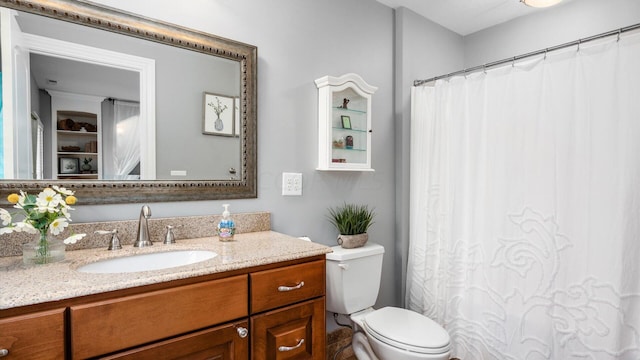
x,y
146,262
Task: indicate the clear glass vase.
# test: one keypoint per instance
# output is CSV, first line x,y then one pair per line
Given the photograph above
x,y
44,249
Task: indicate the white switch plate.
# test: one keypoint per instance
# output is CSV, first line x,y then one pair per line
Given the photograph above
x,y
178,172
291,184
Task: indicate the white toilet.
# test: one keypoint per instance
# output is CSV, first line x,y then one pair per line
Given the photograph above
x,y
390,333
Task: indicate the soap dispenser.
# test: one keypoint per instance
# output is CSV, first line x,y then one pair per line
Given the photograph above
x,y
226,226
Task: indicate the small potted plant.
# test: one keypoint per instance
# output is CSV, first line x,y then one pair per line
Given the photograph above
x,y
352,222
86,166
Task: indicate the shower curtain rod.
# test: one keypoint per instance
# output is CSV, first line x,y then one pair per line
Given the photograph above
x,y
129,101
524,56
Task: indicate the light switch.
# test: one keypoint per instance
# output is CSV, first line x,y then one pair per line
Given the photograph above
x,y
291,184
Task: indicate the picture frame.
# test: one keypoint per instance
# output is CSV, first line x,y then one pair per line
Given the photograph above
x,y
236,112
346,121
68,165
218,114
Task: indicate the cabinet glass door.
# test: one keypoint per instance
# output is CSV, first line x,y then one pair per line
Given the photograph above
x,y
349,128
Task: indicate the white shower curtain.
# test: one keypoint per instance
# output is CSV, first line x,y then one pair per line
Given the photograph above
x,y
121,140
525,206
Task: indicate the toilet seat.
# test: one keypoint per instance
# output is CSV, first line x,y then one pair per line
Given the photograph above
x,y
407,330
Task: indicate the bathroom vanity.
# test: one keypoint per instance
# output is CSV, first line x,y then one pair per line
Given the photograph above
x,y
261,297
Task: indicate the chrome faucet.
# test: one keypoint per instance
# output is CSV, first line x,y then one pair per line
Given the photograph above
x,y
142,239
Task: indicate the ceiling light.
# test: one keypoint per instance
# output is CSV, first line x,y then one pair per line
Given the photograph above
x,y
540,3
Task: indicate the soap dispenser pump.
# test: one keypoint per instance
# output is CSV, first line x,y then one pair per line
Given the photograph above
x,y
226,226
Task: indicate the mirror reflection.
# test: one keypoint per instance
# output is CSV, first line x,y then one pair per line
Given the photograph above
x,y
134,110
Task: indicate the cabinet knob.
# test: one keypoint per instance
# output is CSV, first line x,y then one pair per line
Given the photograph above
x,y
4,352
242,332
289,348
289,288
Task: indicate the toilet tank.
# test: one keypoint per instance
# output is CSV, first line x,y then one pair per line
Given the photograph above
x,y
353,278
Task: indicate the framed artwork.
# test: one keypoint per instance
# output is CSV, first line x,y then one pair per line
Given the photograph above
x,y
236,112
68,165
218,115
346,122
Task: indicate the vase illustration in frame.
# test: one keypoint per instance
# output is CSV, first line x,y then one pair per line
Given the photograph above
x,y
218,114
68,165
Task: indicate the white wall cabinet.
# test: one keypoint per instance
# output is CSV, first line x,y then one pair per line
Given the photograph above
x,y
76,128
344,123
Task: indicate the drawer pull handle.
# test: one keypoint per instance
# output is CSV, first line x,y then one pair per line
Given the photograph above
x,y
242,332
289,288
4,352
289,348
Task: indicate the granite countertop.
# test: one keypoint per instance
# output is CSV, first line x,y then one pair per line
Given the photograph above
x,y
22,285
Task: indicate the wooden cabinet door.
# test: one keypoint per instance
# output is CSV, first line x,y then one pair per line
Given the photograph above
x,y
34,336
227,342
293,332
104,327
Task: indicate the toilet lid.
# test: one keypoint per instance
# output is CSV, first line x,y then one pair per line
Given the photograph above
x,y
407,330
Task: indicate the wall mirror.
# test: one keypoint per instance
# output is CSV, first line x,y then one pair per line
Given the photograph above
x,y
196,96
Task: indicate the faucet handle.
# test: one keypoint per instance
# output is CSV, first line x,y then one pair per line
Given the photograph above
x,y
169,238
114,244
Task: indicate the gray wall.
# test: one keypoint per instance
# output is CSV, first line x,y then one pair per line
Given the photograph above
x,y
424,49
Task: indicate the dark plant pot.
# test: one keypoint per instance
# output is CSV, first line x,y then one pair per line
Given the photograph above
x,y
353,241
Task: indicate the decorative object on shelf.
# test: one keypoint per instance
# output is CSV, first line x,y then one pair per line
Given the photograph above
x,y
43,214
66,124
352,222
346,122
78,126
70,148
218,117
68,165
91,147
338,143
349,142
86,164
345,102
70,125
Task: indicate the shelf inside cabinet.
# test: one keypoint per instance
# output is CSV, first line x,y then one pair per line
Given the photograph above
x,y
351,130
349,110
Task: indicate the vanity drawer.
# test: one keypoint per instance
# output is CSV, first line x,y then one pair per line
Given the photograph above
x,y
287,285
294,332
34,336
106,326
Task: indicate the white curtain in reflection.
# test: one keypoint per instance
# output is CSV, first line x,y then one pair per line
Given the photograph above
x,y
121,139
525,206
